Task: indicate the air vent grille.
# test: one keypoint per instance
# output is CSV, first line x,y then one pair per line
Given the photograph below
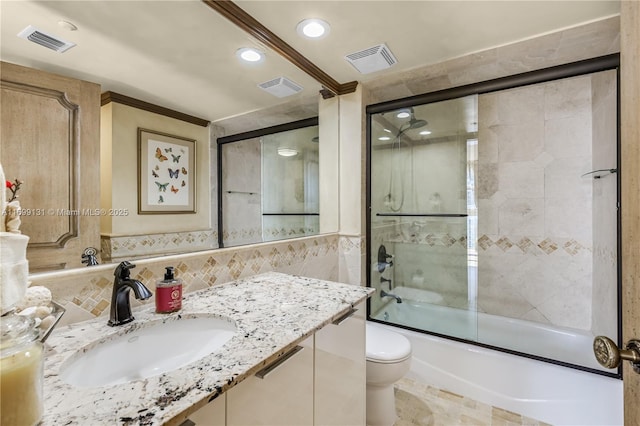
x,y
373,59
281,87
46,40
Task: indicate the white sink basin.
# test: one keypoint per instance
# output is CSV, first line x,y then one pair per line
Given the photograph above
x,y
154,349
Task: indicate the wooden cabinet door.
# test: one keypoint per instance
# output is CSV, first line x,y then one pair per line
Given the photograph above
x,y
50,140
340,372
283,396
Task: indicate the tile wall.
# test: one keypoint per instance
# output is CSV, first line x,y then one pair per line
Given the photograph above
x,y
86,293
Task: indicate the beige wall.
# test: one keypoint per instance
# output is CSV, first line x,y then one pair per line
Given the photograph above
x,y
119,145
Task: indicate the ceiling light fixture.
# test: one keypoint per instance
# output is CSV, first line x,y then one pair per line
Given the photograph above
x,y
425,132
313,28
287,152
248,54
404,113
384,138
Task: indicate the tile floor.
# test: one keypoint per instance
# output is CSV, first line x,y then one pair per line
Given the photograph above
x,y
418,404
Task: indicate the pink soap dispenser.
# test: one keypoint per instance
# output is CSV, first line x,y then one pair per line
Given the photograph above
x,y
168,293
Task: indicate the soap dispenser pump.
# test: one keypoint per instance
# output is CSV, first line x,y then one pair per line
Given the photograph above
x,y
168,293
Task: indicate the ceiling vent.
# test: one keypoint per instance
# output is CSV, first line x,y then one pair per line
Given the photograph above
x,y
373,59
281,87
33,34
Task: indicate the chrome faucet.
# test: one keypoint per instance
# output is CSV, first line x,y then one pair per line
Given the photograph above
x,y
385,294
120,305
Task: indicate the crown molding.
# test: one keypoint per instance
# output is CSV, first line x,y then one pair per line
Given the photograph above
x,y
252,26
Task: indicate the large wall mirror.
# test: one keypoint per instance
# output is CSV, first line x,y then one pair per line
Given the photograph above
x,y
190,67
269,184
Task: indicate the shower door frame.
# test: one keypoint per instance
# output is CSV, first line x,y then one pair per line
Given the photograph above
x,y
573,69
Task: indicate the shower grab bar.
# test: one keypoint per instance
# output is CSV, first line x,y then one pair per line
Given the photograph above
x,y
242,192
423,214
290,214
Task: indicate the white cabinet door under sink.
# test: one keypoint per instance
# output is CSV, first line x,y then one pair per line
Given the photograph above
x,y
212,414
282,395
340,376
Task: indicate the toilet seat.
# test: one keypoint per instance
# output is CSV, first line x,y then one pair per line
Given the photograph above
x,y
386,347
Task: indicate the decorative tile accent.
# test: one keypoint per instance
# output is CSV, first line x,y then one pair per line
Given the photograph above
x,y
548,246
484,242
525,244
504,243
572,247
90,289
114,249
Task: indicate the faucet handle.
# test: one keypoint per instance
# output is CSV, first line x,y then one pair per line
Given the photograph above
x,y
122,271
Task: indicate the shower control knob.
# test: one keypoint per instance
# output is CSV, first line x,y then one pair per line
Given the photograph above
x,y
609,356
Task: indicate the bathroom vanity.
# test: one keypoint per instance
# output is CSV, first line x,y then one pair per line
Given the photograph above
x,y
297,356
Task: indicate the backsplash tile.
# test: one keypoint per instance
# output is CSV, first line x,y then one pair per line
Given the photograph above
x,y
86,293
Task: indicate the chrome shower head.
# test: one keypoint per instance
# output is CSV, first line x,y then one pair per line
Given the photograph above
x,y
416,124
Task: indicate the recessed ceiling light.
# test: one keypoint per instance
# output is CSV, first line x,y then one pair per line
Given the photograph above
x,y
249,54
387,130
403,114
425,132
287,152
384,138
313,28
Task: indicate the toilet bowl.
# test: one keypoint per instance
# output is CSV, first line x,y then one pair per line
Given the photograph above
x,y
388,360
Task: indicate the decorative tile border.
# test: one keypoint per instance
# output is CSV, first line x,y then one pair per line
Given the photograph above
x,y
86,293
115,248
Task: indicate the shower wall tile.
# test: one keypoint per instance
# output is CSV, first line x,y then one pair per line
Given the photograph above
x,y
567,98
520,142
568,137
510,104
521,216
535,243
569,218
522,179
563,178
487,180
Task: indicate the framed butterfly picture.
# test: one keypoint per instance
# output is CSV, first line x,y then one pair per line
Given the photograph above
x,y
166,173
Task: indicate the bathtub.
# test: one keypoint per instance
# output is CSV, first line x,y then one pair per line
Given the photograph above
x,y
539,390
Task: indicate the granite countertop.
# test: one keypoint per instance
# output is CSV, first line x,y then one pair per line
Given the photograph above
x,y
273,312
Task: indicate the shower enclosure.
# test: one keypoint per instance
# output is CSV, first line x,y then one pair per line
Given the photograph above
x,y
269,184
493,213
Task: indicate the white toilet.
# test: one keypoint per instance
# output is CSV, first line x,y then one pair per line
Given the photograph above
x,y
388,359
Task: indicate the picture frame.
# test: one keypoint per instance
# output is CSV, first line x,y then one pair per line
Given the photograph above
x,y
166,173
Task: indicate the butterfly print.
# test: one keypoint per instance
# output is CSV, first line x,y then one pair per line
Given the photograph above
x,y
162,187
173,173
184,171
183,183
159,155
174,189
168,149
156,167
154,174
176,158
161,200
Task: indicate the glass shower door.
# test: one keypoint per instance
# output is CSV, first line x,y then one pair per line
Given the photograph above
x,y
424,217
